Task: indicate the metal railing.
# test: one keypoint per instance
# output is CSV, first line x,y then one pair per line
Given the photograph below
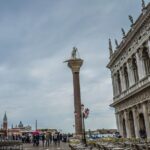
x,y
11,145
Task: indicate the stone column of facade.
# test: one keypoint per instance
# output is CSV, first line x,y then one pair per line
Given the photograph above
x,y
75,65
145,113
113,84
148,107
118,121
148,46
130,73
126,115
122,78
119,83
148,111
116,85
136,122
140,64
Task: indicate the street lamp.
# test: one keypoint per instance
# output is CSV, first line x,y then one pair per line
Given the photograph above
x,y
85,113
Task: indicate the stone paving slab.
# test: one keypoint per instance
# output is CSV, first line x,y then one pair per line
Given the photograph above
x,y
62,146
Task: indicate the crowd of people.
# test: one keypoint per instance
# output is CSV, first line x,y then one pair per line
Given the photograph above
x,y
49,138
37,138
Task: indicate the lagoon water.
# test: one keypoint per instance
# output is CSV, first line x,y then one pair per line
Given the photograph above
x,y
95,136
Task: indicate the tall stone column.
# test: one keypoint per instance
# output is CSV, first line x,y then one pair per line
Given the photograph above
x,y
136,122
116,85
75,64
119,123
130,73
122,78
145,113
140,64
148,107
113,84
148,44
127,124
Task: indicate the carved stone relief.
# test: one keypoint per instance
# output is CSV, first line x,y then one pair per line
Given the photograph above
x,y
134,100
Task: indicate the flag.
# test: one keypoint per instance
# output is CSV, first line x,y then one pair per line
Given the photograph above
x,y
86,113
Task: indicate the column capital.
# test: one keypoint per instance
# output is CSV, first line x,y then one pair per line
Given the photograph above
x,y
129,61
126,112
139,52
135,107
75,64
146,119
122,71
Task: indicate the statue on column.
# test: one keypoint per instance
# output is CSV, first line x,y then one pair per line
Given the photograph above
x,y
74,53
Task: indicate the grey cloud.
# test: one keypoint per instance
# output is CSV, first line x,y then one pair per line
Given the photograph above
x,y
36,37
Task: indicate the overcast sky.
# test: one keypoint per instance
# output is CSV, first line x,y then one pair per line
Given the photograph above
x,y
36,36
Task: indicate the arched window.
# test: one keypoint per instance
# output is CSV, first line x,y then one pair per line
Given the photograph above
x,y
142,130
135,69
146,60
126,77
131,122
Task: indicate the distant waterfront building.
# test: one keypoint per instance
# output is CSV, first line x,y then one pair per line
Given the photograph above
x,y
130,71
20,125
4,127
20,129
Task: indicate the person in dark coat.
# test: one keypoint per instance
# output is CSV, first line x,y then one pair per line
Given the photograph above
x,y
34,140
55,138
37,139
43,139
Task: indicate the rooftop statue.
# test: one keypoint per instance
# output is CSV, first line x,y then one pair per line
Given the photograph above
x,y
131,20
74,53
123,32
143,4
116,42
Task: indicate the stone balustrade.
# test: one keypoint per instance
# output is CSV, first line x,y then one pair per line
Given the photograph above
x,y
138,86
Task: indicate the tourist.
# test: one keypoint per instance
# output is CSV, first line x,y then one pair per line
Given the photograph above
x,y
43,139
47,139
58,138
55,138
64,138
34,140
37,139
50,137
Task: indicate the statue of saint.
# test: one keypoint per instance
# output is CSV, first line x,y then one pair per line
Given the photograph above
x,y
74,53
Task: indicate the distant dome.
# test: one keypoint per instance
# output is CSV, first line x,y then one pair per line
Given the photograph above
x,y
20,125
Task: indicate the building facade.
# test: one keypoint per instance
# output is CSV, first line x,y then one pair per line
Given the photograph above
x,y
130,71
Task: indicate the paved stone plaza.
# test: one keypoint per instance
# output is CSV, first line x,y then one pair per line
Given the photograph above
x,y
62,146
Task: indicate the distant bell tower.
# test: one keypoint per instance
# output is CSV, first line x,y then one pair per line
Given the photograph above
x,y
5,123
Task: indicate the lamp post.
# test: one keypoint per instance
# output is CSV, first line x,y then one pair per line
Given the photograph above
x,y
85,113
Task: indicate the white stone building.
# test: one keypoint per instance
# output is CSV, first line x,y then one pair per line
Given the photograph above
x,y
130,71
